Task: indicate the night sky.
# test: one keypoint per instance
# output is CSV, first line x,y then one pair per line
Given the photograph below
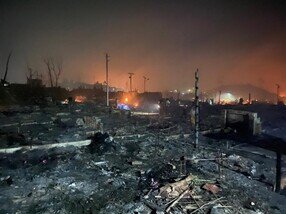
x,y
231,41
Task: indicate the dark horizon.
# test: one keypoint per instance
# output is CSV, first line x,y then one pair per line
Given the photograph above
x,y
231,42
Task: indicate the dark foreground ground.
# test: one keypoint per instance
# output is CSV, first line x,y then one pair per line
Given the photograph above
x,y
144,164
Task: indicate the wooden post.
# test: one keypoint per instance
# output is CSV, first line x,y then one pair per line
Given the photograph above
x,y
107,83
278,172
278,87
196,108
225,118
219,164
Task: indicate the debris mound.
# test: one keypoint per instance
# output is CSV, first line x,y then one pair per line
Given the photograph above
x,y
100,143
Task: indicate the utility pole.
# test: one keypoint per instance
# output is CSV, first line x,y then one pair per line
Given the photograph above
x,y
130,80
219,96
145,80
107,85
196,108
278,93
249,98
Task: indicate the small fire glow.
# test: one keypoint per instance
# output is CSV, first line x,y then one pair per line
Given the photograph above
x,y
130,99
227,98
65,102
80,99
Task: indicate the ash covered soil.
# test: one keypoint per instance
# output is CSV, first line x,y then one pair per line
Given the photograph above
x,y
132,164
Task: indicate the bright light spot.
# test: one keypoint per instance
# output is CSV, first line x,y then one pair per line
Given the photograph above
x,y
66,101
227,98
123,106
80,99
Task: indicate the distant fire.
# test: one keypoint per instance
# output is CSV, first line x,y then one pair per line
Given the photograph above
x,y
130,99
227,98
80,99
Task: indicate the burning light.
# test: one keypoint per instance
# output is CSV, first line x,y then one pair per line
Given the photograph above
x,y
65,102
130,99
80,99
227,98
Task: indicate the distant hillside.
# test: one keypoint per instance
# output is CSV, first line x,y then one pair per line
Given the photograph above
x,y
243,90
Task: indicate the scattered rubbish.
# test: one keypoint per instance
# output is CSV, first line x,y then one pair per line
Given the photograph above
x,y
134,163
79,122
6,180
177,200
220,209
172,190
213,188
154,184
251,204
99,143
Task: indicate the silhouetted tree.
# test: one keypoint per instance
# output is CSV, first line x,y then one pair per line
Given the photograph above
x,y
54,70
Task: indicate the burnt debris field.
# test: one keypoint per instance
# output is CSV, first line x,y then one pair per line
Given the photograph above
x,y
86,158
142,107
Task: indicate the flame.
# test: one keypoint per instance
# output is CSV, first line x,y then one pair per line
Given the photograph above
x,y
80,99
130,98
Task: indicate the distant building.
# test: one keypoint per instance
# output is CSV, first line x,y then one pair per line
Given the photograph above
x,y
98,85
